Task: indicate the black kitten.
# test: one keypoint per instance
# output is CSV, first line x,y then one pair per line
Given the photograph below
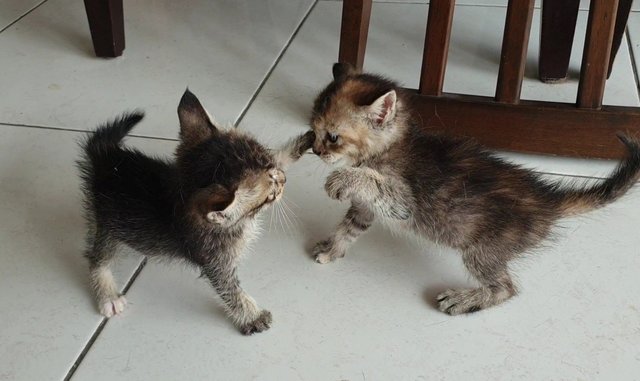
x,y
200,208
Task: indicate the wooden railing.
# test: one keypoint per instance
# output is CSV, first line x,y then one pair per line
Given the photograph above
x,y
585,128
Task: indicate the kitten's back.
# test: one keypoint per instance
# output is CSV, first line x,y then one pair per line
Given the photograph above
x,y
126,190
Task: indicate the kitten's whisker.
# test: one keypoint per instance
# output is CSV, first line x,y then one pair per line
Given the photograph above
x,y
280,217
286,221
270,218
295,221
286,218
293,203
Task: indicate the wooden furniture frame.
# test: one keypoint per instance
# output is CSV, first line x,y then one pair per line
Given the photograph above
x,y
582,129
106,22
556,38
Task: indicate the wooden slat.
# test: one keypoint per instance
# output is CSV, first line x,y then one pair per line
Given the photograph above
x,y
536,127
556,38
622,16
597,50
514,50
436,46
354,30
106,22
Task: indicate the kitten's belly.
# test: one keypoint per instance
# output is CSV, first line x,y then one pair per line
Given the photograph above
x,y
425,229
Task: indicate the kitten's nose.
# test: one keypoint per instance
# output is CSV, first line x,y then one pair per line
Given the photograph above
x,y
316,151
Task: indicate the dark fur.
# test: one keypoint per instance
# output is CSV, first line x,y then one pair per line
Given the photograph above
x,y
449,190
178,208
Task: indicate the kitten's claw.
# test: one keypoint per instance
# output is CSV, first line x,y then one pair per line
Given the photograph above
x,y
456,302
113,307
323,258
262,323
325,252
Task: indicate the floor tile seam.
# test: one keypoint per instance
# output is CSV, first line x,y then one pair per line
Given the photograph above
x,y
267,76
96,334
76,130
23,15
634,63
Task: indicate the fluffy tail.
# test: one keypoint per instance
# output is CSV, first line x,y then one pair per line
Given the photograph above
x,y
110,135
575,201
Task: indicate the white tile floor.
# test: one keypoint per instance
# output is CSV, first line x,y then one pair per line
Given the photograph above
x,y
369,316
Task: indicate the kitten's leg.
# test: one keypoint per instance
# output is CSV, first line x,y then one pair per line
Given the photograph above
x,y
389,196
496,285
293,150
239,305
100,253
357,220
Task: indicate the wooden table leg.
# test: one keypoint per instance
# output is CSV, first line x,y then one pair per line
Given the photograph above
x,y
106,21
354,30
556,38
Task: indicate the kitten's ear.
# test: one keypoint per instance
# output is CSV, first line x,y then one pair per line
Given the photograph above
x,y
215,204
383,109
196,125
342,70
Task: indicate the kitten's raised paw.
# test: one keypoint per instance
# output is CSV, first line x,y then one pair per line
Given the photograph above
x,y
338,185
262,323
456,302
112,307
324,251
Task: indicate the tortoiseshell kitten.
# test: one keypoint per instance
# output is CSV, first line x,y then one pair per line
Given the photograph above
x,y
449,190
200,208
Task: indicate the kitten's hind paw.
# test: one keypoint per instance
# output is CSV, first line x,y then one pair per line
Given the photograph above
x,y
456,302
325,252
111,307
262,323
462,301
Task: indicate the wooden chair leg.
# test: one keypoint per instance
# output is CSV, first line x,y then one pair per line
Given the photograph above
x,y
556,38
354,31
106,22
597,50
624,7
436,46
514,50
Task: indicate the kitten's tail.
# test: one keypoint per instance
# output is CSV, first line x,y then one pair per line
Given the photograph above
x,y
109,136
575,201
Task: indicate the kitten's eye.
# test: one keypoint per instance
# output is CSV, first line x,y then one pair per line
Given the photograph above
x,y
332,137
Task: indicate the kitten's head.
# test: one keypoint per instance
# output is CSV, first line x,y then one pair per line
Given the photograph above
x,y
226,176
355,116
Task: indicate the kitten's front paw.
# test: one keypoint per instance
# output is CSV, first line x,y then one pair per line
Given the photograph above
x,y
325,251
114,306
261,323
338,185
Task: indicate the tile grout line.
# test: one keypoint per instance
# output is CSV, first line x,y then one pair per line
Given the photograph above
x,y
175,140
275,64
21,17
82,131
103,323
634,65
